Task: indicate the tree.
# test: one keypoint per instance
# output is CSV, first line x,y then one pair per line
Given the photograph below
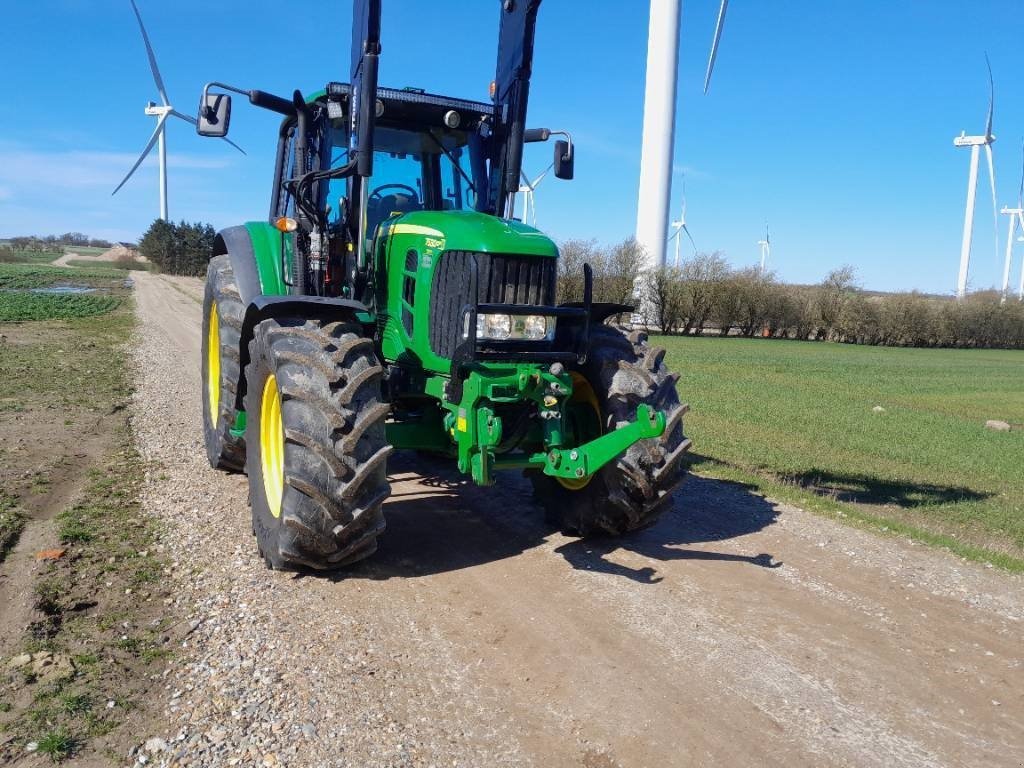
x,y
573,254
833,293
663,291
701,278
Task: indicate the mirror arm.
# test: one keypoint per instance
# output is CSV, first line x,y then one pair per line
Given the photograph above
x,y
257,98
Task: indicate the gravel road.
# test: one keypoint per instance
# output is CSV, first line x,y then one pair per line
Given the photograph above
x,y
734,632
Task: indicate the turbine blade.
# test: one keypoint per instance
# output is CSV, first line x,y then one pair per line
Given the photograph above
x,y
992,184
145,152
190,119
152,56
1020,192
678,230
714,44
687,231
991,99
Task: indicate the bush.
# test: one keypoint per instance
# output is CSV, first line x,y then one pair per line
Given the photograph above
x,y
704,292
178,249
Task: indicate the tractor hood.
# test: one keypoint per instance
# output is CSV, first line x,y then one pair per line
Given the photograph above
x,y
472,231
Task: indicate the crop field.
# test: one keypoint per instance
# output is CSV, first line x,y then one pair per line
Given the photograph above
x,y
18,302
18,276
798,421
118,265
28,257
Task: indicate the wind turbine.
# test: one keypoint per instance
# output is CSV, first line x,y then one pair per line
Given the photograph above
x,y
680,226
1016,216
976,143
766,248
161,112
652,219
527,188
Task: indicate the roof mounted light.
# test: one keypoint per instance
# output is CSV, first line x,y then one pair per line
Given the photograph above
x,y
452,119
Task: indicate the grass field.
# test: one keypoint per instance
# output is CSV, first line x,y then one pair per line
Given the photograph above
x,y
796,420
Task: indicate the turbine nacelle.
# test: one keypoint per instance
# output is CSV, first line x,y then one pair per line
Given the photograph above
x,y
972,141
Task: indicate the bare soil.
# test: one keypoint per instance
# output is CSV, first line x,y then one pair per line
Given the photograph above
x,y
67,464
736,631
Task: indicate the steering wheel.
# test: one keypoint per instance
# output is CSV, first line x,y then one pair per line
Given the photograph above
x,y
376,194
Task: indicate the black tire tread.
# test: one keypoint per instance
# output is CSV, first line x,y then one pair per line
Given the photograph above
x,y
335,448
631,492
224,450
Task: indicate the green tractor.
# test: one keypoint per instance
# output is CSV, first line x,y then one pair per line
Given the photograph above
x,y
392,301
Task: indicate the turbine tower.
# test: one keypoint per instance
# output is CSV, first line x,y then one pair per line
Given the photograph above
x,y
680,226
1016,216
976,143
766,248
652,216
161,112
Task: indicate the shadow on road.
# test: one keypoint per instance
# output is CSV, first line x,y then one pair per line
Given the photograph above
x,y
868,489
704,510
439,521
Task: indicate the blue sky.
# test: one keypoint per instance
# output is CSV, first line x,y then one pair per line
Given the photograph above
x,y
833,121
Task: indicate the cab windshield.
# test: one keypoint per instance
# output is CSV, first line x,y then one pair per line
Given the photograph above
x,y
425,170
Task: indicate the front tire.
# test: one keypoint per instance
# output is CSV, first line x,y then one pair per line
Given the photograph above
x,y
222,328
317,453
629,493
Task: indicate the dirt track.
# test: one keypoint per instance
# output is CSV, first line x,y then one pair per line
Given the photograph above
x,y
734,632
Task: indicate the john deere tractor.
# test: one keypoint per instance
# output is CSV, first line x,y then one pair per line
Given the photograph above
x,y
392,301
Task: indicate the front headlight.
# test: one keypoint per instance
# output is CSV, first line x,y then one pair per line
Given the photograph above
x,y
500,327
494,327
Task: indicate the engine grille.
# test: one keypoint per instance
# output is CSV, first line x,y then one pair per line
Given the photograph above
x,y
502,279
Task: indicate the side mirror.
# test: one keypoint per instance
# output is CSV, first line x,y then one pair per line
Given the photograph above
x,y
564,160
214,115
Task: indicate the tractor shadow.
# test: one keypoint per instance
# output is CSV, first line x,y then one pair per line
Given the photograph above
x,y
439,521
858,488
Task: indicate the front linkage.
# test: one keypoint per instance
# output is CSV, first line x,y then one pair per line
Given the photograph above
x,y
478,431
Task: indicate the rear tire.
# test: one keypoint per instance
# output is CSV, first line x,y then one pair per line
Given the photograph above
x,y
629,493
333,465
222,328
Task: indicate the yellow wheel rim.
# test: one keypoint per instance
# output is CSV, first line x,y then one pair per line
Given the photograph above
x,y
213,364
582,392
272,445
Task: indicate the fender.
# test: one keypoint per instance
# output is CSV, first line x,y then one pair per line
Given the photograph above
x,y
255,254
254,251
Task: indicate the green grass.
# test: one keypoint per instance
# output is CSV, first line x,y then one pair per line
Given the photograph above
x,y
795,420
57,744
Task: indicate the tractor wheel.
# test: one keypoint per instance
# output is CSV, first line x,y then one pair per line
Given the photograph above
x,y
222,327
317,453
621,372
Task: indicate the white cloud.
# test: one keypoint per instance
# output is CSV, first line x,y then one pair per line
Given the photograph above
x,y
21,167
